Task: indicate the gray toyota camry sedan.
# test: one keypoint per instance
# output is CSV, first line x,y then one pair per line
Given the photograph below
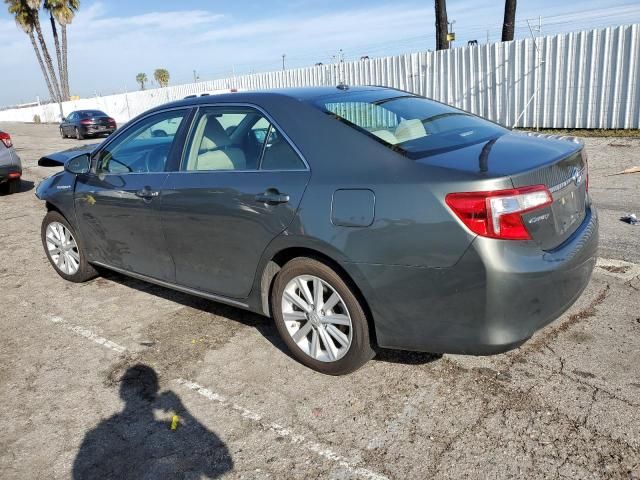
x,y
356,218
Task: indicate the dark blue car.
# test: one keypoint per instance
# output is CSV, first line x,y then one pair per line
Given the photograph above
x,y
356,218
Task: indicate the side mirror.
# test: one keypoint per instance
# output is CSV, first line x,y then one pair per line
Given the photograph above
x,y
63,119
78,165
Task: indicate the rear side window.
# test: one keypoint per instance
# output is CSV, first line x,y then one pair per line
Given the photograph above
x,y
237,138
413,126
278,154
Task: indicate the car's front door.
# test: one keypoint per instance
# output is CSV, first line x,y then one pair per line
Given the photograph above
x,y
239,185
117,204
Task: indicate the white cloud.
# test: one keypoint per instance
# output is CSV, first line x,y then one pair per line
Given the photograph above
x,y
95,18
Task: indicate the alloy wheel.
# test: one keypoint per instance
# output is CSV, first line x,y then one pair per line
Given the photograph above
x,y
62,248
317,318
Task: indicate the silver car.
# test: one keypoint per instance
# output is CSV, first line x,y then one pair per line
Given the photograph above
x,y
10,165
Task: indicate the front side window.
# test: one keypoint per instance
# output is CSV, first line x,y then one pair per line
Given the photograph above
x,y
144,147
411,125
237,138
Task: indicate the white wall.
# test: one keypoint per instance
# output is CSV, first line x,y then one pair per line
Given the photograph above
x,y
588,79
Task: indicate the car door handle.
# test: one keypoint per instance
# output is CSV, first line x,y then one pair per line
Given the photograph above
x,y
272,196
147,193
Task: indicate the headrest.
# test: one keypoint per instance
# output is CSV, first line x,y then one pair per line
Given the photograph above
x,y
214,135
410,130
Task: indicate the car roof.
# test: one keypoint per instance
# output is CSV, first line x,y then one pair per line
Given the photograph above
x,y
305,94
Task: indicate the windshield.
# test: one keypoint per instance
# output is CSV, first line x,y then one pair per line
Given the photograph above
x,y
413,126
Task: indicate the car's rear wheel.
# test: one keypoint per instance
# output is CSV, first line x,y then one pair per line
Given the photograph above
x,y
79,135
319,317
64,249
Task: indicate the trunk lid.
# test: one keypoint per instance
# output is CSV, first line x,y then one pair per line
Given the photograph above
x,y
526,160
99,121
566,179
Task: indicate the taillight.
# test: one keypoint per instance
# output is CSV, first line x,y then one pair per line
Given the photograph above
x,y
86,122
498,214
6,139
111,120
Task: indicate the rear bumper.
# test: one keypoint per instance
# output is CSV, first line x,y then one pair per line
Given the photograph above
x,y
9,172
87,132
492,300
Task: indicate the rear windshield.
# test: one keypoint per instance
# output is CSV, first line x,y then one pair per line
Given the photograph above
x,y
413,126
91,113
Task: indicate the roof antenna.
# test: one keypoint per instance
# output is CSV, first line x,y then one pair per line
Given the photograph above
x,y
342,86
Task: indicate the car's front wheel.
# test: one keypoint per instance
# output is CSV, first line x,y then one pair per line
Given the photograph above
x,y
62,135
319,317
64,250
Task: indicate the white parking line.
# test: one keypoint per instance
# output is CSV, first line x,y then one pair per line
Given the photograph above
x,y
263,424
88,334
282,431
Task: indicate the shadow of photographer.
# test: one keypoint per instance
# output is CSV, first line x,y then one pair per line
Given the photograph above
x,y
133,444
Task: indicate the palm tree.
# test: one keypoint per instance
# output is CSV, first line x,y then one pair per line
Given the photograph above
x,y
162,77
509,20
141,78
35,5
26,16
23,16
63,11
442,25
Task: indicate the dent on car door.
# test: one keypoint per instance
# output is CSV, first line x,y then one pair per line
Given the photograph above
x,y
118,205
239,186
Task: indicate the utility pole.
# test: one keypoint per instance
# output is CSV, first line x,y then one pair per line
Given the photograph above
x,y
509,22
283,55
441,25
195,77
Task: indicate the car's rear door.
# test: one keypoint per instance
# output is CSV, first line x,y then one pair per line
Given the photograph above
x,y
239,185
117,205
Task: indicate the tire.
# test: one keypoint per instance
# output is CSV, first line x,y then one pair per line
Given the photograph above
x,y
84,270
13,186
351,344
62,135
79,135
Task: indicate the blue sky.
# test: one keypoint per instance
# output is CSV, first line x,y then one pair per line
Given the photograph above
x,y
110,41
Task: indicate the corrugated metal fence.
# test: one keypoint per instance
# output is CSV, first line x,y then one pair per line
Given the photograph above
x,y
588,79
